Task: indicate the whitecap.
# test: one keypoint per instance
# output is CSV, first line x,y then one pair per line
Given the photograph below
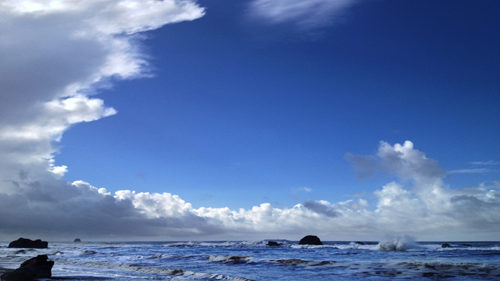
x,y
230,259
398,244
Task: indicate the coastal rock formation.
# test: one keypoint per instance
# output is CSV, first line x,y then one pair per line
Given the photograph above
x,y
34,268
445,245
273,243
310,240
77,240
28,243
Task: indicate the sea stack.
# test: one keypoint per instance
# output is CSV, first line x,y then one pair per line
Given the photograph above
x,y
28,243
310,240
34,268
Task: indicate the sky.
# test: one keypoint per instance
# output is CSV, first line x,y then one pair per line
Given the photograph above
x,y
251,119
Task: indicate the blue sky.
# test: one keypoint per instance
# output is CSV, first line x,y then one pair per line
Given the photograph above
x,y
241,112
228,111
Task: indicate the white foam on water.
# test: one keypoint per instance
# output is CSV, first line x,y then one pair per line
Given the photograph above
x,y
356,246
230,259
110,269
297,246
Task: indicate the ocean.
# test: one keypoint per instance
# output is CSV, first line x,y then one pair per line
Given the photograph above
x,y
394,259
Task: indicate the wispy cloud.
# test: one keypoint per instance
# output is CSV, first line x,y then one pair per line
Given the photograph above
x,y
305,13
302,188
470,171
486,163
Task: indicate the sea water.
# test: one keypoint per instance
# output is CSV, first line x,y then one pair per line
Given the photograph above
x,y
395,259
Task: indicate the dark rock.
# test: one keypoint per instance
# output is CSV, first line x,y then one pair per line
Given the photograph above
x,y
237,259
310,240
445,245
34,268
77,240
359,243
273,244
28,243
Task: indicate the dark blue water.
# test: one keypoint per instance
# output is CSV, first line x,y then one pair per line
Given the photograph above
x,y
397,259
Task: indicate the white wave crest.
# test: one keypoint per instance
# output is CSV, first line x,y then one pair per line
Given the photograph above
x,y
398,244
230,259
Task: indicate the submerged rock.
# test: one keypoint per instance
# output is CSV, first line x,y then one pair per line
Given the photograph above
x,y
445,245
28,243
31,269
273,244
310,240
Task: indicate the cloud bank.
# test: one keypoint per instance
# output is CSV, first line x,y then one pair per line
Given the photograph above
x,y
305,14
57,54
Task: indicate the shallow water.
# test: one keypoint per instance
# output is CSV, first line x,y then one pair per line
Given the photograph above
x,y
395,260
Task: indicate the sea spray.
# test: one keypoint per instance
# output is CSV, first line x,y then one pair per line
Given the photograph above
x,y
398,244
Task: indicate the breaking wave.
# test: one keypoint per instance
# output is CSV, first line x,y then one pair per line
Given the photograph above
x,y
398,244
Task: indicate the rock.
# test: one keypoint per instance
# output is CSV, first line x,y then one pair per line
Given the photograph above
x,y
445,245
31,269
28,243
359,243
77,240
273,244
310,240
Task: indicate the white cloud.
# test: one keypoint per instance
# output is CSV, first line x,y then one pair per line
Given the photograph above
x,y
305,13
401,160
55,53
302,188
424,208
491,162
469,171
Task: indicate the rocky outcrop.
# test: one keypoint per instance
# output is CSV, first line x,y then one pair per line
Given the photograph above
x,y
445,245
28,243
34,268
77,240
310,240
273,243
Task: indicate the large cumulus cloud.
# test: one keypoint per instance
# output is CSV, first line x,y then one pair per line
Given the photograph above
x,y
55,55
